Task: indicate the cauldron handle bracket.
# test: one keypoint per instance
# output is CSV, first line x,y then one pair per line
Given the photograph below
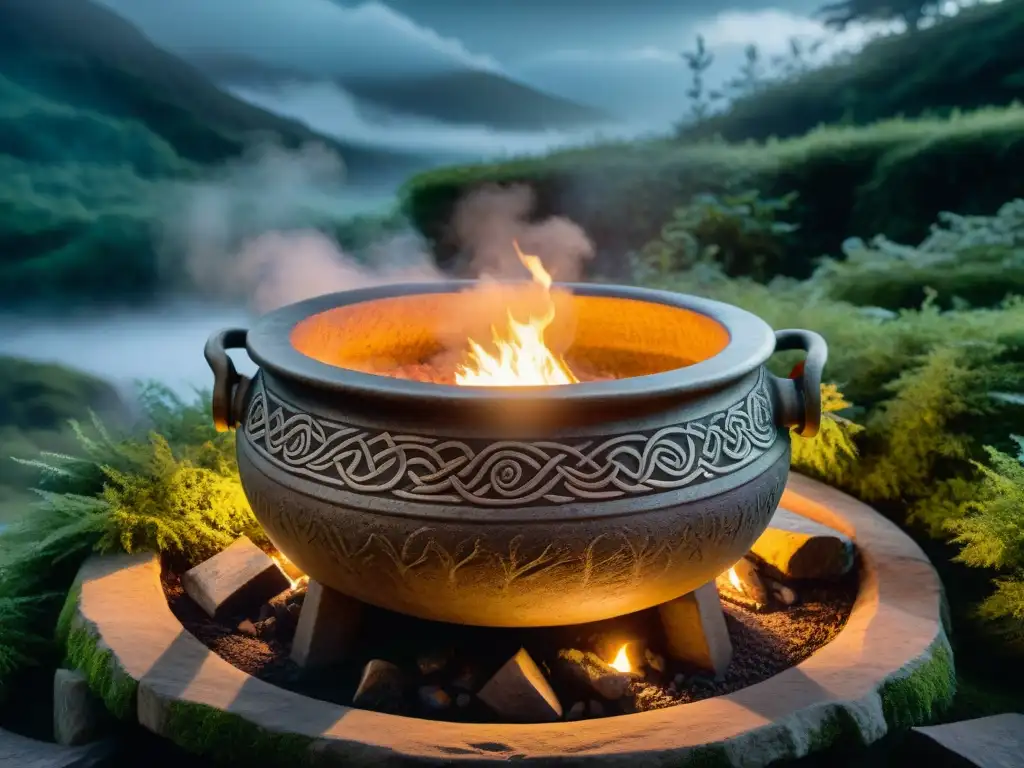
x,y
798,398
229,386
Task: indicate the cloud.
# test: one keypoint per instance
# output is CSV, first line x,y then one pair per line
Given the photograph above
x,y
330,110
317,37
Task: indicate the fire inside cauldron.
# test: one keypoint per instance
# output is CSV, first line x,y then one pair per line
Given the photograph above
x,y
514,455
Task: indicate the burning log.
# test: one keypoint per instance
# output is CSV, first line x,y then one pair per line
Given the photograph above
x,y
743,585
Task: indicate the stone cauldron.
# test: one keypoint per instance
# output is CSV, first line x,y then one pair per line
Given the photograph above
x,y
514,506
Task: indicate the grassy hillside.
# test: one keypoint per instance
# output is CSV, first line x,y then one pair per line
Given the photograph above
x,y
36,402
94,120
973,60
893,177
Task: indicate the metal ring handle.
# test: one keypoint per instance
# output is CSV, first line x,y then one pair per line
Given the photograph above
x,y
229,386
799,397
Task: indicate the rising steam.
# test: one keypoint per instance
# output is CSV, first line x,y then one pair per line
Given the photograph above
x,y
245,235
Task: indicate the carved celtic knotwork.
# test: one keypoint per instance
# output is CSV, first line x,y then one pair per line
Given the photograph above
x,y
510,473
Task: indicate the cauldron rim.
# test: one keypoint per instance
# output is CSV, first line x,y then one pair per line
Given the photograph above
x,y
751,343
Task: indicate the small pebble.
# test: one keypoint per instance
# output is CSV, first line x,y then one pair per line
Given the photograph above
x,y
434,698
246,627
294,609
433,661
576,711
266,611
679,680
595,708
463,700
655,660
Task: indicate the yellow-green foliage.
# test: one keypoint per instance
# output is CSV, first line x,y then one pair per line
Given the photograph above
x,y
175,492
832,452
991,531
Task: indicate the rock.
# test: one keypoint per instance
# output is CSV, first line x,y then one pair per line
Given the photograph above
x,y
246,627
595,708
433,661
752,586
381,687
655,661
695,630
679,680
576,711
266,612
238,578
18,751
783,594
519,692
328,624
78,716
463,700
434,698
465,680
984,742
267,628
588,669
795,547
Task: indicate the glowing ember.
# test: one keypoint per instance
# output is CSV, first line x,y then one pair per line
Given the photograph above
x,y
522,357
734,580
621,661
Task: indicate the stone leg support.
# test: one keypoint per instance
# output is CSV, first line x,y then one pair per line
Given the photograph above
x,y
328,627
695,630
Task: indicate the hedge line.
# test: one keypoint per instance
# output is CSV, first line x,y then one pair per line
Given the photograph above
x,y
892,177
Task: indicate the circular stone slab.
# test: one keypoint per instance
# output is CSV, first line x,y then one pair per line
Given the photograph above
x,y
890,667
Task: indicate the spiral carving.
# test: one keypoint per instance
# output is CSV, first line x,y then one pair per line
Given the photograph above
x,y
510,473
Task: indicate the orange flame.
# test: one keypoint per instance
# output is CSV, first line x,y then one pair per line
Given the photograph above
x,y
523,358
734,580
621,661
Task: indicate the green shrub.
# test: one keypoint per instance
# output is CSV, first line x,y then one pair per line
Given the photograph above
x,y
973,260
990,530
740,233
176,493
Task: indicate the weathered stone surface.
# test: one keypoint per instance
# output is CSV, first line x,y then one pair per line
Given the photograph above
x,y
889,666
576,711
381,688
20,752
798,548
588,669
695,630
78,716
519,692
985,742
327,629
240,577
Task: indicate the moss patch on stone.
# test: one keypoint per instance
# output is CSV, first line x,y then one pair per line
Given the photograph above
x,y
106,679
710,756
920,695
231,740
67,615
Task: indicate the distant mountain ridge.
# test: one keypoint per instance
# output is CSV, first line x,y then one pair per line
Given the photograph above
x,y
464,96
81,54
